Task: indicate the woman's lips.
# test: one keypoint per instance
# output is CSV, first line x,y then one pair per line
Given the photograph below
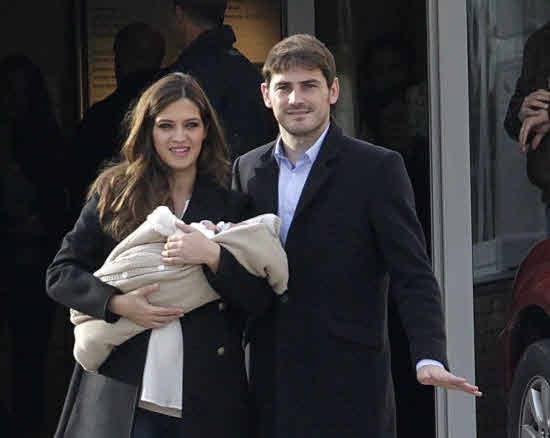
x,y
180,150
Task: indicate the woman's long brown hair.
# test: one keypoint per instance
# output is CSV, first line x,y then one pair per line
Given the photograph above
x,y
130,189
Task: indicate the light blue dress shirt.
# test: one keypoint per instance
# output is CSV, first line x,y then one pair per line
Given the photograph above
x,y
292,179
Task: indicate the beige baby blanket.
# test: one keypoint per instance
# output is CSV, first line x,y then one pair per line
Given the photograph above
x,y
136,261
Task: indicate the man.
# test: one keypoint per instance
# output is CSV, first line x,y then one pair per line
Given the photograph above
x,y
229,79
527,119
139,51
320,362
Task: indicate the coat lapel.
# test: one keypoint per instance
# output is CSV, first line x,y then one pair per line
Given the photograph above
x,y
265,187
322,168
203,202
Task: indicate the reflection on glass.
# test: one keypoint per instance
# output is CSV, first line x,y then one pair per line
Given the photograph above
x,y
507,212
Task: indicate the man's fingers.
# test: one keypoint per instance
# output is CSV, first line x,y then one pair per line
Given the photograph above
x,y
536,104
525,131
521,136
447,380
443,380
529,112
185,228
541,95
468,388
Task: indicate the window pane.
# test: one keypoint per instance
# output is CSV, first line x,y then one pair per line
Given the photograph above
x,y
507,213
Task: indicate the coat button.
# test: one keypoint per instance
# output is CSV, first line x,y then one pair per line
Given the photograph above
x,y
220,351
221,306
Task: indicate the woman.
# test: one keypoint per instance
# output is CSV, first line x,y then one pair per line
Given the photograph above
x,y
174,155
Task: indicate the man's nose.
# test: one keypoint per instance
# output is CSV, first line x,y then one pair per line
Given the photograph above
x,y
295,97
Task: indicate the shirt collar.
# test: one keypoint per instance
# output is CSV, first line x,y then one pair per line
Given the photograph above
x,y
310,154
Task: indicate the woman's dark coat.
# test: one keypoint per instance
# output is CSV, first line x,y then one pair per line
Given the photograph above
x,y
215,392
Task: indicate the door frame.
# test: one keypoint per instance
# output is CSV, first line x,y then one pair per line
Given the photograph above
x,y
451,204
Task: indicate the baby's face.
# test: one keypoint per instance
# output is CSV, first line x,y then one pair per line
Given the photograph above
x,y
220,226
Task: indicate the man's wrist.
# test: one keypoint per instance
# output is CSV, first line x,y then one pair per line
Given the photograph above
x,y
213,261
425,362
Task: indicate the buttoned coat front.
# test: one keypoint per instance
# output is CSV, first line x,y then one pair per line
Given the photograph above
x,y
320,361
215,392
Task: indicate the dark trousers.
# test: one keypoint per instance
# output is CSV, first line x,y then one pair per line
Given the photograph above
x,y
28,315
415,403
148,424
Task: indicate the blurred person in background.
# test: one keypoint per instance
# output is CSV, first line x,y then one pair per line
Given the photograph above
x,y
139,51
34,208
230,80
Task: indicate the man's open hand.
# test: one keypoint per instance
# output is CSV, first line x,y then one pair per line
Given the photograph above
x,y
437,376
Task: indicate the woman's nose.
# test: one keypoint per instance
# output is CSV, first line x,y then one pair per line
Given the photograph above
x,y
180,133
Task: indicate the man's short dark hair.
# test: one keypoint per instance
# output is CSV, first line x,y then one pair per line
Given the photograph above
x,y
204,12
300,50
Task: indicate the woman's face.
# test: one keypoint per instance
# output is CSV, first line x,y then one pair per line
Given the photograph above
x,y
178,134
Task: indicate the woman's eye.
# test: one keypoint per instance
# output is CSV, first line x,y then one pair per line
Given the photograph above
x,y
164,125
191,125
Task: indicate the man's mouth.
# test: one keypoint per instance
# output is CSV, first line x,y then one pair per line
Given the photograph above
x,y
298,112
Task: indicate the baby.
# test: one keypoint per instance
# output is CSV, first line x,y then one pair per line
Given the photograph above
x,y
136,261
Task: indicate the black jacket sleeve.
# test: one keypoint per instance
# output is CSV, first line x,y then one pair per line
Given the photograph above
x,y
232,281
69,278
524,85
414,287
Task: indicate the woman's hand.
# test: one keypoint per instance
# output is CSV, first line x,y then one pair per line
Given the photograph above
x,y
191,248
135,306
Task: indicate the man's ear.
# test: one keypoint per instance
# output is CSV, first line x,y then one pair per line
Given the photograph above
x,y
265,94
334,91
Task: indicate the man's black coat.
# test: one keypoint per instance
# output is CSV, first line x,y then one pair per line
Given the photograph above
x,y
320,363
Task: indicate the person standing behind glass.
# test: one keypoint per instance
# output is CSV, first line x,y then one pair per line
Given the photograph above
x,y
138,54
527,119
174,155
229,79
